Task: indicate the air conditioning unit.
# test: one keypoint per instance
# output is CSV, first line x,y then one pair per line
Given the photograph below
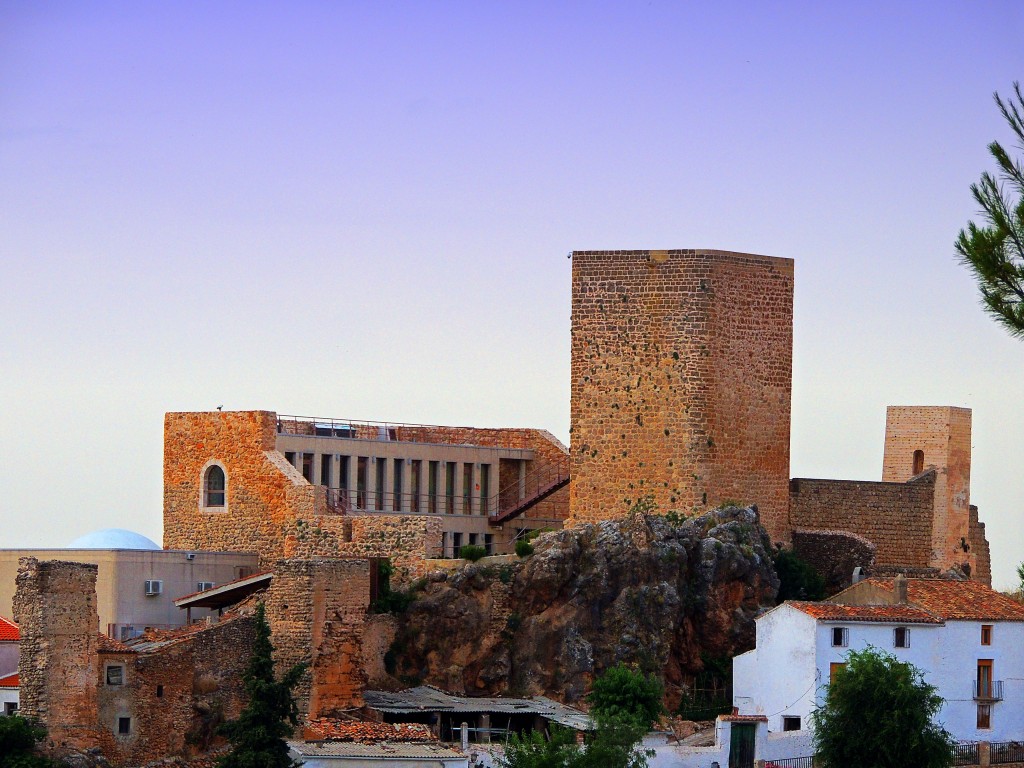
x,y
154,587
202,586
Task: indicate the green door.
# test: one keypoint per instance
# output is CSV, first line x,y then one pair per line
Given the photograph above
x,y
741,745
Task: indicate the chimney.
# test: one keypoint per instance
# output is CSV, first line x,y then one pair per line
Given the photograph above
x,y
900,586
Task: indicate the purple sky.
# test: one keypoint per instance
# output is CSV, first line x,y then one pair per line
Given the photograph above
x,y
364,210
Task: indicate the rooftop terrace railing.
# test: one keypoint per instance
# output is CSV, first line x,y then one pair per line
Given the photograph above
x,y
355,429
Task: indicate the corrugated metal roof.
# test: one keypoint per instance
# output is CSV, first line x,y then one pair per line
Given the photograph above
x,y
427,698
381,749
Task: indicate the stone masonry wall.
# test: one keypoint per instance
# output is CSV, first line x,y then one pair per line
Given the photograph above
x,y
270,508
895,517
943,434
55,609
834,554
681,381
979,546
264,492
317,613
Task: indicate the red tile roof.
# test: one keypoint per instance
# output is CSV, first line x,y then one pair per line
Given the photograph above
x,y
958,600
11,681
325,729
110,645
8,630
892,614
743,718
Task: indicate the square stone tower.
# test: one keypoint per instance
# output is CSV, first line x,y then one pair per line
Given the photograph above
x,y
919,438
681,382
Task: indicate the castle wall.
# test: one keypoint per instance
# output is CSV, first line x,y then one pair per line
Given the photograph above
x,y
895,517
317,613
681,382
943,435
834,555
174,694
55,609
269,507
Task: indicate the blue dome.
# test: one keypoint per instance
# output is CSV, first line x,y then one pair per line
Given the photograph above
x,y
113,538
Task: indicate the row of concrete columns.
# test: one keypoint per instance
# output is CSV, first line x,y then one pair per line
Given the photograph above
x,y
408,496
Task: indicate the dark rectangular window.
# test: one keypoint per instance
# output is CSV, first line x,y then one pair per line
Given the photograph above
x,y
485,489
379,484
159,691
396,504
124,725
343,473
901,637
449,487
361,482
985,716
115,675
840,637
289,456
986,634
10,707
307,467
432,469
456,544
472,538
415,469
326,463
790,723
467,489
489,543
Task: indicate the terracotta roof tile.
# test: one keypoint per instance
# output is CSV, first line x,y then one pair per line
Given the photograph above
x,y
326,729
895,614
8,630
963,600
743,718
11,681
110,645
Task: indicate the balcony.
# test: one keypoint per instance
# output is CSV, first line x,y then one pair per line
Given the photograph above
x,y
988,690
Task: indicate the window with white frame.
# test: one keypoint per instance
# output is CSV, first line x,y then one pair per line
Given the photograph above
x,y
840,637
901,637
790,723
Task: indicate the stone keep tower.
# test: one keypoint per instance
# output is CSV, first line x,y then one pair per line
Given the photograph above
x,y
918,438
681,381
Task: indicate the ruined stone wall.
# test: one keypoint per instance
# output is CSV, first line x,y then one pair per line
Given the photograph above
x,y
895,517
943,435
681,382
834,554
979,546
174,694
55,609
408,541
317,613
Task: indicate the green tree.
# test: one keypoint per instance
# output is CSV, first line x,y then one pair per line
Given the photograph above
x,y
18,739
798,578
994,252
627,695
258,735
879,713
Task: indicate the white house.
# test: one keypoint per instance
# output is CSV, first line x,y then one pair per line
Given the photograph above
x,y
966,638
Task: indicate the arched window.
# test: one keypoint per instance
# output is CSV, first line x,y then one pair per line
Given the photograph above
x,y
918,462
214,485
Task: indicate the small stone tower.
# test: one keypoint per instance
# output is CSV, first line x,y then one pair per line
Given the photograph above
x,y
918,438
681,381
55,609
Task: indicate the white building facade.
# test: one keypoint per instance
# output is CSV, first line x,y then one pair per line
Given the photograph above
x,y
967,639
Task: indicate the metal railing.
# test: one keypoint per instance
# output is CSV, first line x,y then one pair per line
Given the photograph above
x,y
965,753
791,762
988,690
540,480
1002,752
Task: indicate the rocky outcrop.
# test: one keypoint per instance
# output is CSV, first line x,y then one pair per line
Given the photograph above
x,y
646,590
